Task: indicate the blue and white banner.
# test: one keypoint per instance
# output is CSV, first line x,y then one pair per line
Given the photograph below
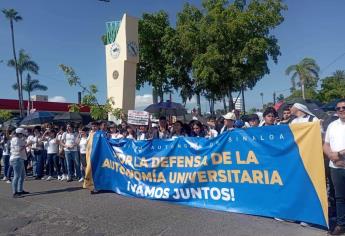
x,y
270,171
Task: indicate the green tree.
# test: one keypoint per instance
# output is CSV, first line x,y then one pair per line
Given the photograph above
x,y
307,71
24,64
152,60
97,111
12,16
5,115
31,85
333,87
280,97
230,44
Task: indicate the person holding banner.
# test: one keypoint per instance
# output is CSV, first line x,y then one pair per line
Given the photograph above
x,y
143,133
178,130
229,120
334,148
269,115
162,132
198,129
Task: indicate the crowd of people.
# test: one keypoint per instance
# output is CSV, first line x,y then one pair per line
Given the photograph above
x,y
59,152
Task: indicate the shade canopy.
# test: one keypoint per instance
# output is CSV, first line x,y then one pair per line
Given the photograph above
x,y
167,108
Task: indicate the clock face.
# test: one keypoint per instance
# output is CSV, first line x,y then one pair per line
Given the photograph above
x,y
115,74
133,49
115,50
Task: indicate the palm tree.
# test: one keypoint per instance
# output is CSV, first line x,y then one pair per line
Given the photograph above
x,y
29,86
12,15
339,74
307,71
24,64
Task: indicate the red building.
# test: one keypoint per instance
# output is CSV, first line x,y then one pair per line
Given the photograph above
x,y
56,107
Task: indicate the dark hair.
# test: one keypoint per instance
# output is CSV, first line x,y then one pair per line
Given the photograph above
x,y
270,110
287,108
253,117
180,122
162,118
340,100
202,130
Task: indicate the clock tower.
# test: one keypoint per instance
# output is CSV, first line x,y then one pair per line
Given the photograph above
x,y
122,56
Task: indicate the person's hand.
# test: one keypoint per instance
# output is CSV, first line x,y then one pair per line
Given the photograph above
x,y
333,156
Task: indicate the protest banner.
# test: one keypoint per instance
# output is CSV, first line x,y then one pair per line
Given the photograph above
x,y
273,171
138,117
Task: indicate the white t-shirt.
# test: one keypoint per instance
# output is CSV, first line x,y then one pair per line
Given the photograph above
x,y
36,142
6,150
335,136
212,133
52,146
18,148
82,145
70,139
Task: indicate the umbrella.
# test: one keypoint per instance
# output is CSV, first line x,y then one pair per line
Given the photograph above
x,y
68,117
12,123
167,108
37,118
330,106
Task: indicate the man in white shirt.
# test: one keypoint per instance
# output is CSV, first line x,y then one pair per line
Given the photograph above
x,y
70,144
334,148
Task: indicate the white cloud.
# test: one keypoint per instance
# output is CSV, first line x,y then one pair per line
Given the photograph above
x,y
57,99
142,101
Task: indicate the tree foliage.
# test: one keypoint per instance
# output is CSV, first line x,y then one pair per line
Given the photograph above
x,y
24,64
152,60
307,72
97,111
230,44
333,87
5,115
13,16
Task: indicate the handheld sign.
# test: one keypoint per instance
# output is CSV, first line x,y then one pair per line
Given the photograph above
x,y
138,117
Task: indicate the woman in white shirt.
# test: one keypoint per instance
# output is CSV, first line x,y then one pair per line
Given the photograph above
x,y
6,159
82,142
52,146
17,158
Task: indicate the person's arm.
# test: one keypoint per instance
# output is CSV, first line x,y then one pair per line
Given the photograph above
x,y
333,156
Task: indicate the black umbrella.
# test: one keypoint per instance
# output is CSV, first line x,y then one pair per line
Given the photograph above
x,y
330,106
37,118
12,123
167,108
68,117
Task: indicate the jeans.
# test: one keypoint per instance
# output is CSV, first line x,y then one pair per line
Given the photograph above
x,y
72,158
7,167
83,162
63,165
53,163
38,163
338,177
0,160
19,175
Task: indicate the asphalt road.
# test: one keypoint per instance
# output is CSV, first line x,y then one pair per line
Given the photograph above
x,y
60,208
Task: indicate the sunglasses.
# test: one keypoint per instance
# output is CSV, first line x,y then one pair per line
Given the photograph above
x,y
340,108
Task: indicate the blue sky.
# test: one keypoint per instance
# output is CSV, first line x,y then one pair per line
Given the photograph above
x,y
68,32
